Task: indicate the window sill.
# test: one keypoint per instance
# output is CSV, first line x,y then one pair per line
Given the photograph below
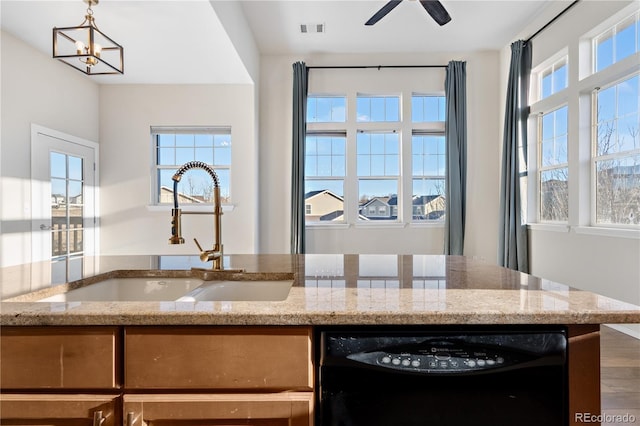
x,y
206,208
587,230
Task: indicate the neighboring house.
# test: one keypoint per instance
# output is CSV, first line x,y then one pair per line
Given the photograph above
x,y
429,207
323,205
379,208
166,196
57,200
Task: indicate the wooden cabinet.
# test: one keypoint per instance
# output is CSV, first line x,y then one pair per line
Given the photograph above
x,y
59,410
59,357
237,358
142,376
268,369
282,409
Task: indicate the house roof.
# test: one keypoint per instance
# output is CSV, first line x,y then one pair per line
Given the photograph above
x,y
312,194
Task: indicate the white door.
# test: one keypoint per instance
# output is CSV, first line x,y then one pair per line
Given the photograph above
x,y
63,186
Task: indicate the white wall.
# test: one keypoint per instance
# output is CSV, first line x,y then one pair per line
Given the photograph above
x,y
483,145
126,114
35,89
604,264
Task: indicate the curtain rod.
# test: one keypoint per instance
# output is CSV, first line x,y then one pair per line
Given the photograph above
x,y
551,21
375,66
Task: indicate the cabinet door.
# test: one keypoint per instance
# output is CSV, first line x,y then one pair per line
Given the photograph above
x,y
281,409
58,410
222,358
58,358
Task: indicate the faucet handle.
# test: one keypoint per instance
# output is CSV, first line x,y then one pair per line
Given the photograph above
x,y
206,255
198,245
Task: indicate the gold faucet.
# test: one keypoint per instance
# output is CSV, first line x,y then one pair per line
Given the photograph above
x,y
214,255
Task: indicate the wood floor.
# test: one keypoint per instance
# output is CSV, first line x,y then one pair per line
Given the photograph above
x,y
620,375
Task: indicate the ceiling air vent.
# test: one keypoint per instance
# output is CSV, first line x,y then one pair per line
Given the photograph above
x,y
311,28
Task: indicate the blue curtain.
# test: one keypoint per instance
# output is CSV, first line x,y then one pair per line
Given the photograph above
x,y
456,136
512,242
300,85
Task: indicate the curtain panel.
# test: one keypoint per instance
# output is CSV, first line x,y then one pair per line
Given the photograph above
x,y
300,86
456,150
512,238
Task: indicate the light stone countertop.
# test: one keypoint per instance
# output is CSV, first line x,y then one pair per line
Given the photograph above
x,y
327,290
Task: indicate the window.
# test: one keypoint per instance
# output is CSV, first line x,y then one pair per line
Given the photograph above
x,y
326,109
617,43
554,78
378,108
367,162
378,169
429,165
174,147
616,160
553,168
427,108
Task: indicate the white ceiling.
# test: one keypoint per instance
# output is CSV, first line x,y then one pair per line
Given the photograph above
x,y
184,42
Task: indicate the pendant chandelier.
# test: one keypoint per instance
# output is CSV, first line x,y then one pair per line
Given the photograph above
x,y
88,49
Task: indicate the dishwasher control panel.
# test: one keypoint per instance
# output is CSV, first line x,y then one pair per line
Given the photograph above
x,y
439,359
447,353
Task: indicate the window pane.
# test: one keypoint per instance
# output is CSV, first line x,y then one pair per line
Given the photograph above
x,y
326,109
324,200
553,146
625,40
617,195
428,201
221,156
325,156
378,199
618,118
392,109
604,51
166,156
428,108
75,168
58,164
166,140
204,140
363,109
205,155
184,155
554,195
417,109
184,140
560,78
378,108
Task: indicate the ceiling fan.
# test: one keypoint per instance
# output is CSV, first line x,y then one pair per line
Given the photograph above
x,y
433,8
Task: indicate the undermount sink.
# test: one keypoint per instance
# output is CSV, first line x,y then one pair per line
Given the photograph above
x,y
129,290
175,289
268,291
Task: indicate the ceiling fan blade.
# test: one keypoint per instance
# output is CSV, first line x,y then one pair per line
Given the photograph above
x,y
436,10
382,12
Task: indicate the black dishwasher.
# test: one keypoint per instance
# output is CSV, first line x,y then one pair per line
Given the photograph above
x,y
443,376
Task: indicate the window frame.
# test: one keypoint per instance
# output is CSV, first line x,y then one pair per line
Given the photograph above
x,y
405,127
155,131
542,168
595,158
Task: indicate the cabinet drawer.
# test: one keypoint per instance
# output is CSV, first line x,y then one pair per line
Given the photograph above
x,y
58,358
218,358
58,410
281,409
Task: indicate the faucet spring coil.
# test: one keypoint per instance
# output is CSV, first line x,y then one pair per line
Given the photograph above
x,y
197,165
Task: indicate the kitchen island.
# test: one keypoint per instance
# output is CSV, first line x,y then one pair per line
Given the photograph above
x,y
328,290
